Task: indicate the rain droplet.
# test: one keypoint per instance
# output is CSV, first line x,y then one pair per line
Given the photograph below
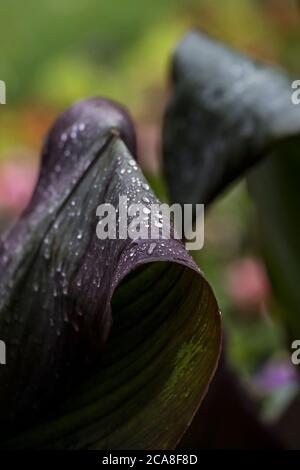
x,y
146,210
151,248
75,326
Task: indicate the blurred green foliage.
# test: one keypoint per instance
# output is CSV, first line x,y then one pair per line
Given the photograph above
x,y
59,51
74,46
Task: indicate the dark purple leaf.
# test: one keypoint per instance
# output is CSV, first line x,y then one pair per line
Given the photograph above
x,y
225,113
110,343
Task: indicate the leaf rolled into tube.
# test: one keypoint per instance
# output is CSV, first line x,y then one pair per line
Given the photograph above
x,y
110,343
226,112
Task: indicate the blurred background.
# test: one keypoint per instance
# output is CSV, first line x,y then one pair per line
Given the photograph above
x,y
56,52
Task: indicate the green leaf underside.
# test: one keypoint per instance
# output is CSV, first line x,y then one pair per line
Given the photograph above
x,y
146,396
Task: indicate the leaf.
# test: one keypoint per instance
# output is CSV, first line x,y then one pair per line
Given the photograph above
x,y
111,343
226,113
274,186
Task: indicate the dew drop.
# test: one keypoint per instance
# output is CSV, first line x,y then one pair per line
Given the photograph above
x,y
151,248
75,326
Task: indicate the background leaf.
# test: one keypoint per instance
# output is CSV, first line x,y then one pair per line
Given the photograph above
x,y
228,112
225,113
274,188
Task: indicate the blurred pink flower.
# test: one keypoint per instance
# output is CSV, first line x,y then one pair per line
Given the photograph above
x,y
148,143
16,184
248,284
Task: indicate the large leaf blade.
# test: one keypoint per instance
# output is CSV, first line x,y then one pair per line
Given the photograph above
x,y
73,380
